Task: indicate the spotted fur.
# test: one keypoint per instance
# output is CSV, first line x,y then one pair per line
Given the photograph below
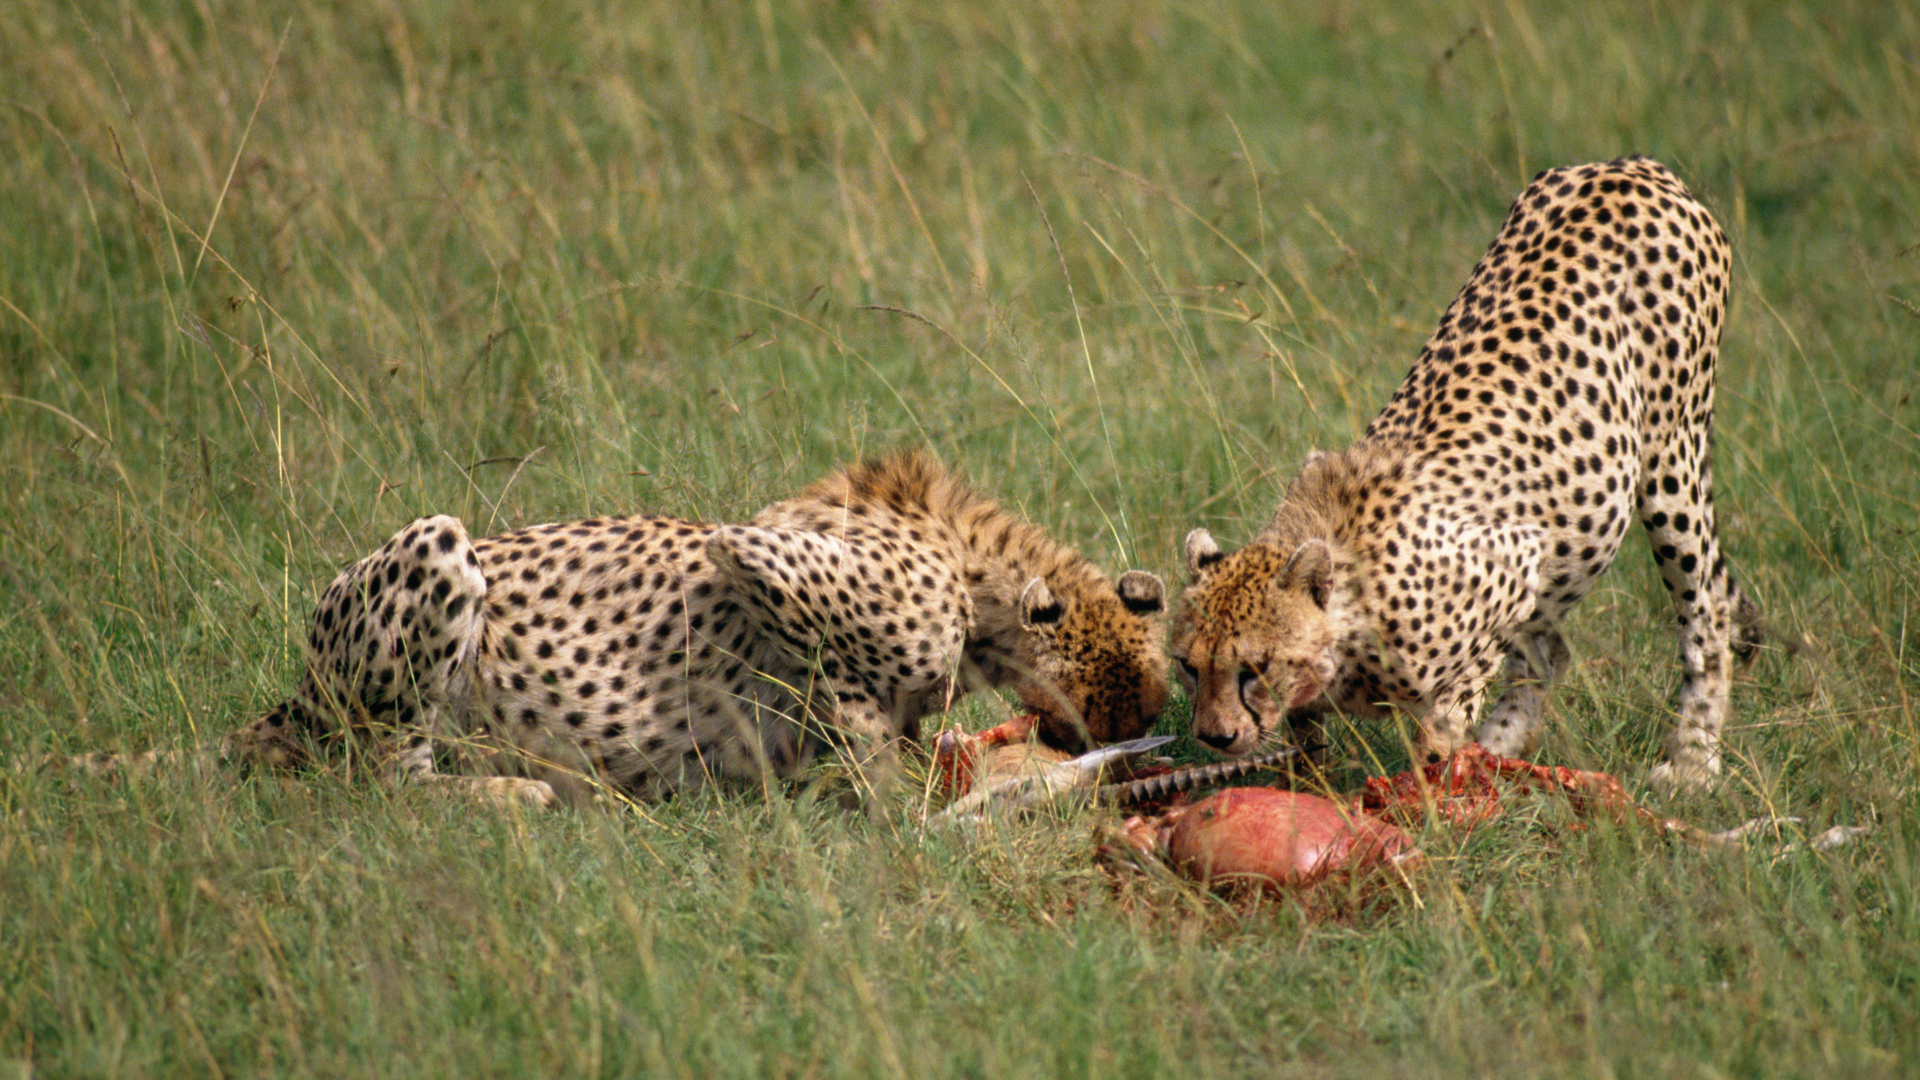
x,y
654,653
1567,392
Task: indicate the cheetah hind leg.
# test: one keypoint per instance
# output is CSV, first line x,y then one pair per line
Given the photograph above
x,y
391,655
1692,761
1537,657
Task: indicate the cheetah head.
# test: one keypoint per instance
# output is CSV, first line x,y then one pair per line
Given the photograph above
x,y
1089,662
1256,636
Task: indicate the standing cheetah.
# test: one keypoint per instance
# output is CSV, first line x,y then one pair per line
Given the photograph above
x,y
653,653
1567,391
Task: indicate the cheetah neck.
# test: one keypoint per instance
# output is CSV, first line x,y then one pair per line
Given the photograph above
x,y
998,552
1004,552
1329,501
1325,500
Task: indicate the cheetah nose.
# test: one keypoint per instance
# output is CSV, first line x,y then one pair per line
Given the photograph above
x,y
1218,742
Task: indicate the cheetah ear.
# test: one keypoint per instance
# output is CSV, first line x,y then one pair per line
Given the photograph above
x,y
1202,553
1141,592
1310,568
1038,607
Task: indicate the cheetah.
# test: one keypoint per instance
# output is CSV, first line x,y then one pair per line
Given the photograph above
x,y
651,654
1568,389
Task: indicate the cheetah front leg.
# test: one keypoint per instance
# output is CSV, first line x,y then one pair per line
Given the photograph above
x,y
871,745
1536,659
1451,712
1483,612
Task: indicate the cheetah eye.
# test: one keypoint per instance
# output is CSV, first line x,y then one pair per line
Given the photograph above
x,y
1187,671
1253,690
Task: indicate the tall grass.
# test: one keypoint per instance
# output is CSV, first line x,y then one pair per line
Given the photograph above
x,y
275,278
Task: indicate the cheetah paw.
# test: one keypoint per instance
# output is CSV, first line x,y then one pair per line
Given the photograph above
x,y
1670,778
517,791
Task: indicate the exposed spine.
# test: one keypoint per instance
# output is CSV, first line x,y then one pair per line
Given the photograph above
x,y
1168,784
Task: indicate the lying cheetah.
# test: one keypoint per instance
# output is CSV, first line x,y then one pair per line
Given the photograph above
x,y
653,653
1568,390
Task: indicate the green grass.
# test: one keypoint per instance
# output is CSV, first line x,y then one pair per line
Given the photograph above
x,y
274,280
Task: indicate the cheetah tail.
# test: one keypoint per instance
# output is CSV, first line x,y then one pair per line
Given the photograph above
x,y
279,739
1751,630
